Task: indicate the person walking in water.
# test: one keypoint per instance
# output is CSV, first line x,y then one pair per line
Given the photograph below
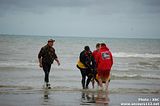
x,y
86,65
104,64
94,54
46,57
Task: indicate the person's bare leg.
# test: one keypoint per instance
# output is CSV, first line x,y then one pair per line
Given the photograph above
x,y
93,83
100,82
107,84
106,98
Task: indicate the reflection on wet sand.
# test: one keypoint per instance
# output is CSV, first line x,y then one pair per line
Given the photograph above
x,y
97,98
46,94
102,98
46,98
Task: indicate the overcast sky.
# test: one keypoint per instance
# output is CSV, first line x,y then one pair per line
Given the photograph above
x,y
99,18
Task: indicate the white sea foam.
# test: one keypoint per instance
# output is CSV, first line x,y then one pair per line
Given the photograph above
x,y
136,76
18,64
146,55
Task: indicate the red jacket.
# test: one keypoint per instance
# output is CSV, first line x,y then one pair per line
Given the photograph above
x,y
94,54
104,59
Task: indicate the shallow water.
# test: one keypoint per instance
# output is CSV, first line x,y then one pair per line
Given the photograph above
x,y
136,70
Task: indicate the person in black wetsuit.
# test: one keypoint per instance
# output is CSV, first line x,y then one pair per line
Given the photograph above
x,y
86,64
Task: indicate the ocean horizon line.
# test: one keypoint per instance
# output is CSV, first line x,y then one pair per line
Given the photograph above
x,y
59,36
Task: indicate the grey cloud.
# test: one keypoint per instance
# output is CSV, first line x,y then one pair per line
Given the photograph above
x,y
44,3
39,5
150,2
92,6
89,16
130,7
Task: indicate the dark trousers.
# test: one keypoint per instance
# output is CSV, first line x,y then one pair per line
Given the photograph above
x,y
46,69
85,73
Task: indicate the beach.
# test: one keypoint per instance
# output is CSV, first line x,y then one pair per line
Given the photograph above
x,y
135,76
68,98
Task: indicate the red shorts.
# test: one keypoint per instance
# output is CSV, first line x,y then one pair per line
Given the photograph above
x,y
104,74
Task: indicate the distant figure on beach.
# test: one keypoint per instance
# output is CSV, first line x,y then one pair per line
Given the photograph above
x,y
46,57
104,64
86,64
94,54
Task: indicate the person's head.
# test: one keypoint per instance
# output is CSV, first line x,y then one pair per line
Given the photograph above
x,y
86,48
98,46
103,45
50,42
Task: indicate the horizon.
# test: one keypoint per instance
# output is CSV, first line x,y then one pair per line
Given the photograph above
x,y
78,36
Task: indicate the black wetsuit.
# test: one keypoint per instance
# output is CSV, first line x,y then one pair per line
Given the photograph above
x,y
89,62
48,55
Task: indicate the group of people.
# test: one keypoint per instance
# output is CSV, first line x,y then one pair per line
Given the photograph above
x,y
96,66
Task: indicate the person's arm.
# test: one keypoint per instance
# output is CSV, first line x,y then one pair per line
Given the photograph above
x,y
97,57
111,58
40,62
56,59
93,61
40,57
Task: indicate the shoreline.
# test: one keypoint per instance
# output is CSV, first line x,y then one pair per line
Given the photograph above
x,y
55,97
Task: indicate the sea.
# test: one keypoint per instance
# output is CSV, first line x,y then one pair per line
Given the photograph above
x,y
136,63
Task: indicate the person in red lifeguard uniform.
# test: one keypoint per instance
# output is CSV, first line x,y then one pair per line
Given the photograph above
x,y
104,64
94,54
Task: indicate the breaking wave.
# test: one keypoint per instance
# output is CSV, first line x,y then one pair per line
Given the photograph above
x,y
134,76
146,55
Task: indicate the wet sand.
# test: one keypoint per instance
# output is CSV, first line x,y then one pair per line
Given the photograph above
x,y
28,96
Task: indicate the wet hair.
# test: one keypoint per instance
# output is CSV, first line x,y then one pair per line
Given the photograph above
x,y
87,48
103,44
98,45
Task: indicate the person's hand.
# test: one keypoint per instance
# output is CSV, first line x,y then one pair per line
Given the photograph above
x,y
40,65
58,63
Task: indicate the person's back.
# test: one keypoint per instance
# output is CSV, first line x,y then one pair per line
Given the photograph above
x,y
104,62
104,58
84,58
85,64
48,54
